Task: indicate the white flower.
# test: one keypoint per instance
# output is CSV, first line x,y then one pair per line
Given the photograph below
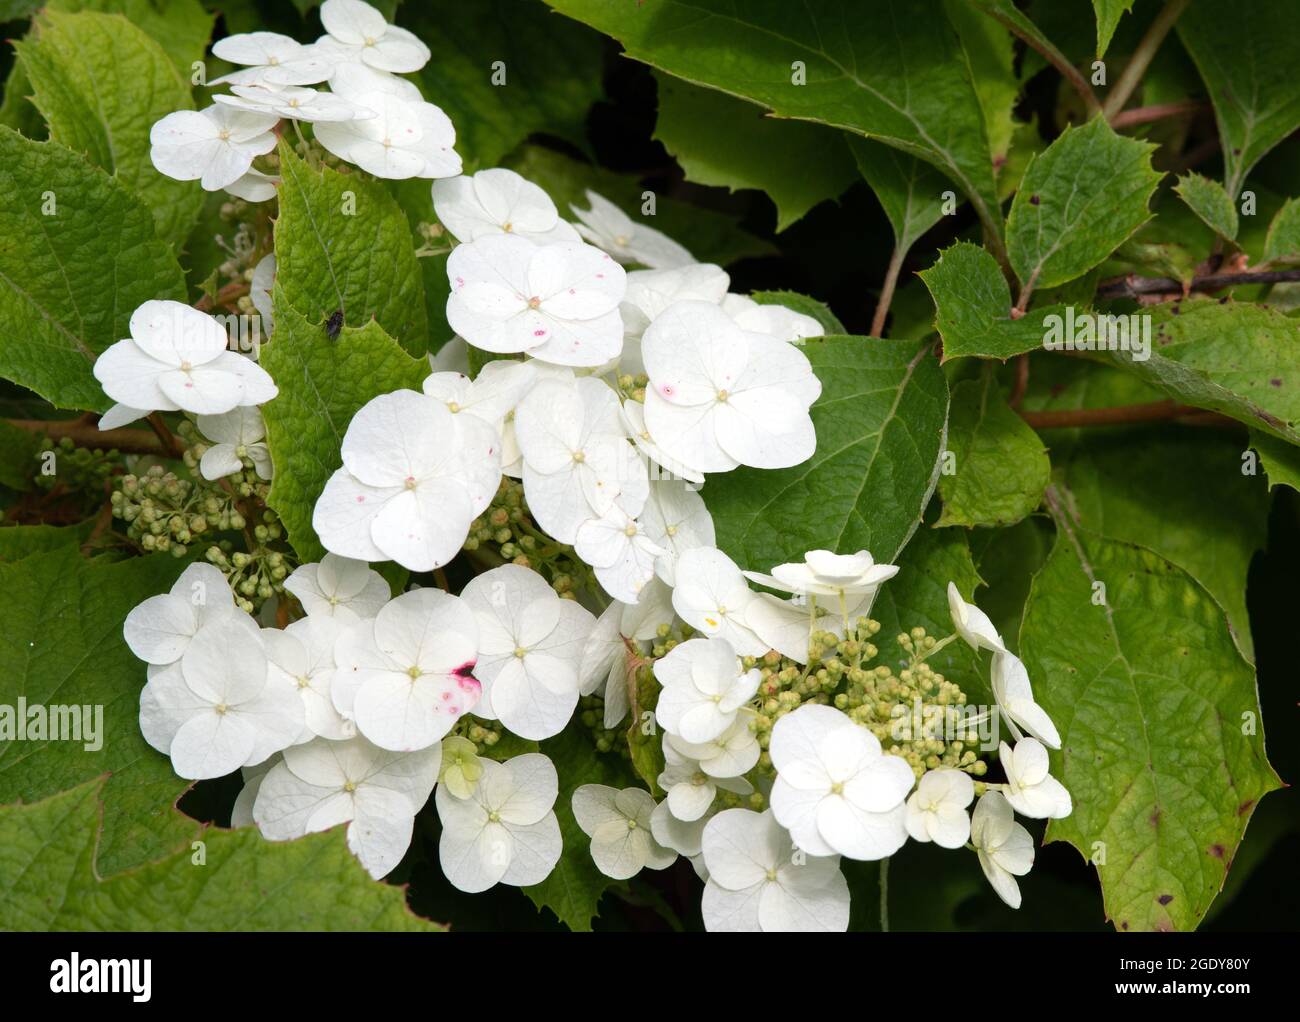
x,y
506,831
557,302
214,710
1005,848
618,823
577,460
650,292
359,32
259,290
492,395
406,138
785,625
404,677
604,656
936,811
775,321
1015,696
461,767
374,791
676,518
160,629
756,883
254,186
607,226
732,754
175,359
236,435
241,813
972,624
1031,790
704,687
452,357
719,397
294,102
621,553
685,837
215,146
634,421
301,657
413,478
530,647
711,596
272,60
339,587
498,201
823,573
835,790
690,790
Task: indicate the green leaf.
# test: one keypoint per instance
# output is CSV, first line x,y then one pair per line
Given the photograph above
x,y
63,645
803,305
1018,22
551,70
1239,359
342,242
1283,241
990,51
180,27
101,84
974,307
19,541
887,69
322,384
1147,485
711,237
880,425
909,190
18,450
1079,200
48,880
1108,14
1281,461
1208,200
1001,467
1152,699
1246,53
574,887
70,280
918,597
729,143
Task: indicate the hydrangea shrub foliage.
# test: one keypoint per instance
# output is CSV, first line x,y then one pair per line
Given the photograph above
x,y
650,464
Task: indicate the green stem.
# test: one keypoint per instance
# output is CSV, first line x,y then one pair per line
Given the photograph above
x,y
1142,56
884,895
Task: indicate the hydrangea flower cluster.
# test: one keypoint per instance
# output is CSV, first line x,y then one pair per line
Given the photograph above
x,y
567,469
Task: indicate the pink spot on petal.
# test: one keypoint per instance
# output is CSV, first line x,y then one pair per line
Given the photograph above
x,y
600,276
446,696
667,390
539,333
361,500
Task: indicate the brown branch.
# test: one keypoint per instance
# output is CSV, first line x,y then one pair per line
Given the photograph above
x,y
1126,415
887,292
229,294
85,433
1131,285
1158,112
1021,383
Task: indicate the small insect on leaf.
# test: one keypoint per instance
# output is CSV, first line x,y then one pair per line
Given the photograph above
x,y
334,324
